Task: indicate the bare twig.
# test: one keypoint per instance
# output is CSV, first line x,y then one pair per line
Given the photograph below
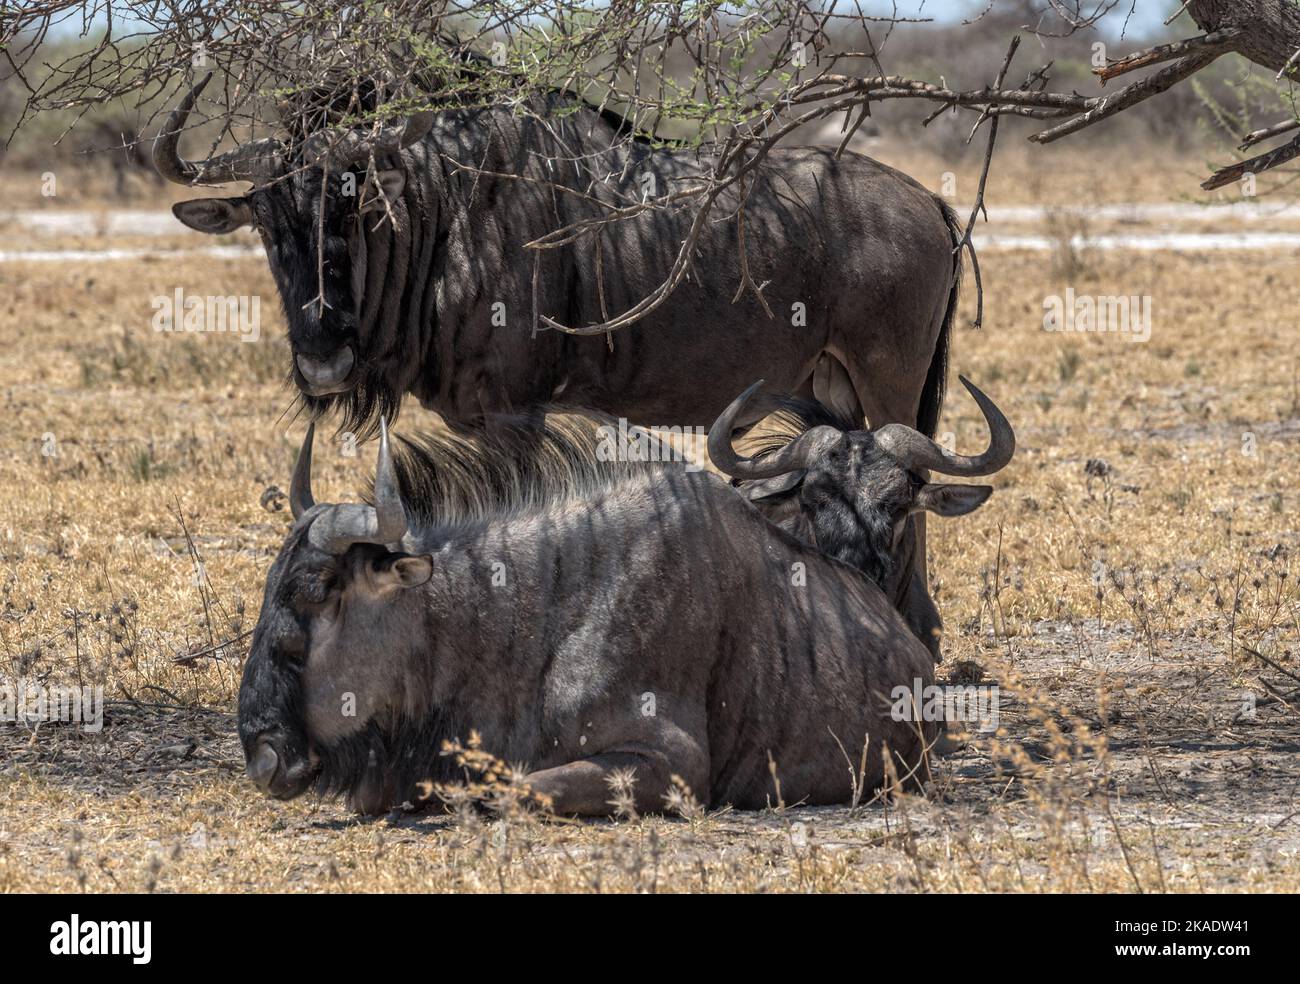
x,y
1267,133
1220,41
1255,165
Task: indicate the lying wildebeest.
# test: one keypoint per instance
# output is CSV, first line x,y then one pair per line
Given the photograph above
x,y
584,617
850,491
859,263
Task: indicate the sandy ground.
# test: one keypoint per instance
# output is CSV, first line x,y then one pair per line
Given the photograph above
x,y
156,801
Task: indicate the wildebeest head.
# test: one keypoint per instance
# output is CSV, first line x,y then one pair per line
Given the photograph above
x,y
850,491
308,201
310,703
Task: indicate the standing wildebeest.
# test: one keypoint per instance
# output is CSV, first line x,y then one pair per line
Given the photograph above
x,y
583,617
850,491
859,262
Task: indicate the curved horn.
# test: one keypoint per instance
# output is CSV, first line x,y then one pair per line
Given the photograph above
x,y
355,146
166,159
300,497
230,166
916,451
383,523
799,453
388,497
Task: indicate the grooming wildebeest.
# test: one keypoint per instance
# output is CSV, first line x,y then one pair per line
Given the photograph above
x,y
583,617
850,491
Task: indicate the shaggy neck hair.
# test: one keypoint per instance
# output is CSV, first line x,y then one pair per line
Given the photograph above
x,y
448,479
789,418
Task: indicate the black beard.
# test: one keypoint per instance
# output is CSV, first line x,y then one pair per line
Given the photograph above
x,y
406,755
361,407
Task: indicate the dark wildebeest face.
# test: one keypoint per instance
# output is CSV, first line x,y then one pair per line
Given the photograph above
x,y
308,204
309,695
850,492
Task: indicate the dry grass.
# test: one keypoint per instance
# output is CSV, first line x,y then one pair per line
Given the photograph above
x,y
1118,604
1070,173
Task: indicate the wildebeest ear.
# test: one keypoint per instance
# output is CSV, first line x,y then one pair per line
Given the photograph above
x,y
951,500
391,183
765,490
214,215
403,570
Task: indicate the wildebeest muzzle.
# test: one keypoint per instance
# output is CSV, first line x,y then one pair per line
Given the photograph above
x,y
324,376
277,769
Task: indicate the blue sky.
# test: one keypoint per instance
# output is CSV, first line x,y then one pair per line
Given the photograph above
x,y
1147,17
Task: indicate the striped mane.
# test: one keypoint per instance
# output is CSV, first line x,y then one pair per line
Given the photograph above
x,y
448,479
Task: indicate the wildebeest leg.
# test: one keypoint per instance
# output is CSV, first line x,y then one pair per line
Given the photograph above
x,y
923,616
583,787
833,388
